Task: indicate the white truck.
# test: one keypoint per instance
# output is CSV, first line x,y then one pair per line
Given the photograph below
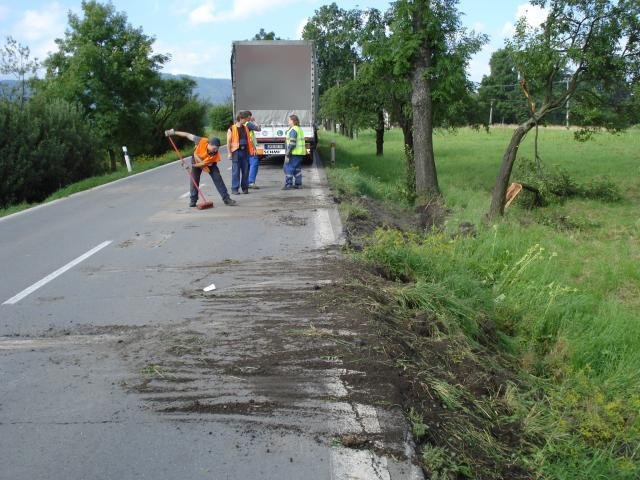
x,y
274,79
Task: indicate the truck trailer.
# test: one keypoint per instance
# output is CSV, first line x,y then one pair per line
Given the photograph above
x,y
274,79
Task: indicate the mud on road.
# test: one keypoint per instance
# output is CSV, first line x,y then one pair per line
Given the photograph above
x,y
288,348
286,352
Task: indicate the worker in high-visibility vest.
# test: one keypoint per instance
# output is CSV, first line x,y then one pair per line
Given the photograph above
x,y
205,157
239,149
295,150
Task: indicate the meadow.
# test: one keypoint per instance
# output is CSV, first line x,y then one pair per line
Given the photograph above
x,y
561,283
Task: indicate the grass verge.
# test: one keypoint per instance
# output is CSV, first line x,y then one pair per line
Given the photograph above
x,y
519,340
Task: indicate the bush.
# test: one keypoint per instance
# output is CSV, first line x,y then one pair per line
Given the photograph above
x,y
554,184
220,116
43,147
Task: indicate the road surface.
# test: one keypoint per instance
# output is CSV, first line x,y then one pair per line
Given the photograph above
x,y
116,364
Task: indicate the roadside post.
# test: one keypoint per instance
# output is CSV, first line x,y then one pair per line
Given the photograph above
x,y
126,158
333,154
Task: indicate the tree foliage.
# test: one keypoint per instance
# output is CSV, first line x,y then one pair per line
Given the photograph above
x,y
595,46
264,35
15,60
44,145
220,116
335,33
432,50
106,66
172,103
500,91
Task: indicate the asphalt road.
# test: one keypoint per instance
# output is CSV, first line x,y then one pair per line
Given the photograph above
x,y
114,363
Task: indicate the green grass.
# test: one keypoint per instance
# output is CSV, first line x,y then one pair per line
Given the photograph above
x,y
561,282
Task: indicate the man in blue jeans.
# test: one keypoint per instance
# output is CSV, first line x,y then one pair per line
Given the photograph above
x,y
239,149
254,160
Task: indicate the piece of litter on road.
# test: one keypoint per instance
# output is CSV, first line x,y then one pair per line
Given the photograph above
x,y
209,288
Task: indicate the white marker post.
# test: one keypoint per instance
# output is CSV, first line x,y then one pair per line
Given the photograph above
x,y
126,158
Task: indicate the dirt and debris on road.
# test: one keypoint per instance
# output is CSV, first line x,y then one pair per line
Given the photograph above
x,y
286,347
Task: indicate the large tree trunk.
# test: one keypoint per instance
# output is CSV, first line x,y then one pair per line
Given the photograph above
x,y
380,133
498,198
407,135
422,103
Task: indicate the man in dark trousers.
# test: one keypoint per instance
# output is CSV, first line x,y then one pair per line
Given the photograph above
x,y
205,157
239,149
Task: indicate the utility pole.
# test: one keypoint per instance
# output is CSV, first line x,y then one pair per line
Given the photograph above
x,y
491,114
567,117
354,69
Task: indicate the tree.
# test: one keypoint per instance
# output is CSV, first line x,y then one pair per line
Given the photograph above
x,y
499,92
172,104
262,35
106,66
432,50
220,116
595,45
43,147
15,60
335,33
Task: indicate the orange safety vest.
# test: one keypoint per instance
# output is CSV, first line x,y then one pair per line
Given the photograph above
x,y
202,153
235,140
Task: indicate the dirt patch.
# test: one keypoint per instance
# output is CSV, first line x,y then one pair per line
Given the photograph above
x,y
372,214
284,346
432,215
243,408
292,220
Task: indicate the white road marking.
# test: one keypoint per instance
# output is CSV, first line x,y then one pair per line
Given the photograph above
x,y
324,233
57,273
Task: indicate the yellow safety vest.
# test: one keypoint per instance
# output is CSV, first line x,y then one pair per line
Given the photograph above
x,y
300,148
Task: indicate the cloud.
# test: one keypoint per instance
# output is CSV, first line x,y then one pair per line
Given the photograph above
x,y
205,13
241,10
38,29
190,59
479,63
300,28
533,14
479,27
4,12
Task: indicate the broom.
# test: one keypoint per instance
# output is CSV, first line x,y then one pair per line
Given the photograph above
x,y
204,203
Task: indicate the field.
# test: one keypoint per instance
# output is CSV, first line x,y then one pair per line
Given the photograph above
x,y
549,296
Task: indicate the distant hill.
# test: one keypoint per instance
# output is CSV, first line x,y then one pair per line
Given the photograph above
x,y
212,90
10,89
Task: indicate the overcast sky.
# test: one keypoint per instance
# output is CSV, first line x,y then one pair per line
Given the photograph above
x,y
198,33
